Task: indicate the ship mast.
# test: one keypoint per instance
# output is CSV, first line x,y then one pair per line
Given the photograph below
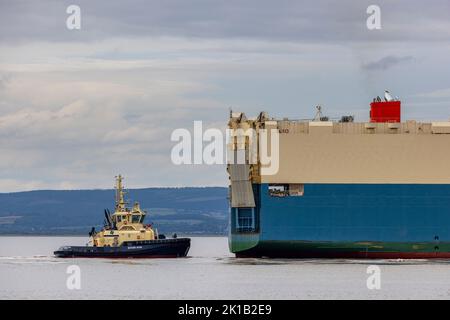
x,y
120,200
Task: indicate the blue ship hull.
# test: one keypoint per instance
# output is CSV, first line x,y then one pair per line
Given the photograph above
x,y
346,220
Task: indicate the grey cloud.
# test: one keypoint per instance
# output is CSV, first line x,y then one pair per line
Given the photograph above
x,y
79,107
386,63
291,20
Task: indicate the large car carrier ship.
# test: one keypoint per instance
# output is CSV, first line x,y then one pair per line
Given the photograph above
x,y
379,189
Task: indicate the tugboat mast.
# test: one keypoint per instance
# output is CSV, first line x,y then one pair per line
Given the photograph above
x,y
120,199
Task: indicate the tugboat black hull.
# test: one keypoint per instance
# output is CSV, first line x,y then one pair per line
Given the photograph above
x,y
163,248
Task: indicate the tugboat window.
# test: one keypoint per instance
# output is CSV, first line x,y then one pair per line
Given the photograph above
x,y
136,218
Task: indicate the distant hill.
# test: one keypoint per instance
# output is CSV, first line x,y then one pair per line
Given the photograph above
x,y
181,210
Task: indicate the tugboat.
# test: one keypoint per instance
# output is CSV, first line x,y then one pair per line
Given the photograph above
x,y
125,236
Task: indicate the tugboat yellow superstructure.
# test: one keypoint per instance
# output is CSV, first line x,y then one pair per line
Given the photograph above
x,y
124,225
125,235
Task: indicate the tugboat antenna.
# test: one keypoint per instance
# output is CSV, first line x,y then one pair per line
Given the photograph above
x,y
120,200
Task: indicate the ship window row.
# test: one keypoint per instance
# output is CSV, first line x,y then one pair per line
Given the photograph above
x,y
286,190
136,218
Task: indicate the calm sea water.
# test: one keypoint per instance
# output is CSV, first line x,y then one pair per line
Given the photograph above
x,y
28,270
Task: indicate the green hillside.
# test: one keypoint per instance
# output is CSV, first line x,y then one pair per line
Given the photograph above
x,y
181,210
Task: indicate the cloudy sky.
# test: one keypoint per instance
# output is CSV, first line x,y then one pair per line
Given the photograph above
x,y
79,106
